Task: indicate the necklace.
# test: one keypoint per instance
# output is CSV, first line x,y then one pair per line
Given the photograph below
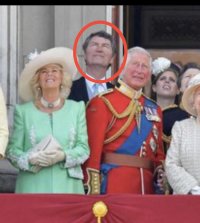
x,y
50,105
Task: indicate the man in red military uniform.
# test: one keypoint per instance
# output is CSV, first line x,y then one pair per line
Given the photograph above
x,y
125,133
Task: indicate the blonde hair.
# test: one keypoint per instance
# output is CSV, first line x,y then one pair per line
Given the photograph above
x,y
65,86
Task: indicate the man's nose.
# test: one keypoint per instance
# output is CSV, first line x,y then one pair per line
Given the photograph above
x,y
99,47
139,67
167,80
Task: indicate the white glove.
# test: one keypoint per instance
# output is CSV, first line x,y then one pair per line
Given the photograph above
x,y
46,153
42,144
38,158
55,156
195,190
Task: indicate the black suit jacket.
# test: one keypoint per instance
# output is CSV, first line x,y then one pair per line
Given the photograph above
x,y
79,90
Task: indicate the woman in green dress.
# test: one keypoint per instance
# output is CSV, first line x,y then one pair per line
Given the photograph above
x,y
49,142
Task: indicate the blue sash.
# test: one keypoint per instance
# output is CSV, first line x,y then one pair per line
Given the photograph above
x,y
131,145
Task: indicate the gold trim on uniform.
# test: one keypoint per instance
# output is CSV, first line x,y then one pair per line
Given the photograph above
x,y
93,183
166,138
126,125
144,149
153,145
105,92
170,106
128,91
134,109
152,114
138,111
155,131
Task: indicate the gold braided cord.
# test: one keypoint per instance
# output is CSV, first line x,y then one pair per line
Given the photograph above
x,y
124,127
166,138
124,114
112,122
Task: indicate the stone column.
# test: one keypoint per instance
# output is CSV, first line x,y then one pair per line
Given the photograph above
x,y
8,80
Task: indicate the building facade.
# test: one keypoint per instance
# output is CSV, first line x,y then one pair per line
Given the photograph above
x,y
170,31
25,28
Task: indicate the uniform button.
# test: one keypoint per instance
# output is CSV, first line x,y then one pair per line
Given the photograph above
x,y
144,153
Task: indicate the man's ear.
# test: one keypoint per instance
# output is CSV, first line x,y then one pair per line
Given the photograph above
x,y
112,60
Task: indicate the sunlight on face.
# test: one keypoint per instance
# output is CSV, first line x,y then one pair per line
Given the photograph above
x,y
99,52
50,76
166,85
137,71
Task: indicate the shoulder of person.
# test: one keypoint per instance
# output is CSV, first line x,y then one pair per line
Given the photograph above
x,y
22,108
75,103
176,111
171,107
106,92
78,82
100,99
150,100
24,105
188,122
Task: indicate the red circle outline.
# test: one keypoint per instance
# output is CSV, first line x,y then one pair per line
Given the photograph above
x,y
76,44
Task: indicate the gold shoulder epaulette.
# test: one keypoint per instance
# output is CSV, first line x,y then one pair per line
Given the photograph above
x,y
166,138
106,92
170,107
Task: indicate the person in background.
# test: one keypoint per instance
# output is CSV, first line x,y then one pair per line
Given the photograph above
x,y
99,51
182,160
49,140
4,132
189,70
125,133
165,90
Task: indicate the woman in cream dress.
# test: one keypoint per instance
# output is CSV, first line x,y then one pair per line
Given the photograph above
x,y
3,125
183,156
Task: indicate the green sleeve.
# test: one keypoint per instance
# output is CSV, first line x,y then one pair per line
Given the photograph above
x,y
15,151
80,152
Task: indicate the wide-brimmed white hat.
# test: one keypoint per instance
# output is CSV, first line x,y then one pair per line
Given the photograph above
x,y
57,55
188,95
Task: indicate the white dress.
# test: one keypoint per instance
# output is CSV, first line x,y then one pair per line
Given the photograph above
x,y
183,156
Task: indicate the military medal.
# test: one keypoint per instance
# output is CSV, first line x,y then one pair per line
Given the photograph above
x,y
155,132
138,121
151,114
153,145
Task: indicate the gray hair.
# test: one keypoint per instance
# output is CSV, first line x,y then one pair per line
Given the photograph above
x,y
133,51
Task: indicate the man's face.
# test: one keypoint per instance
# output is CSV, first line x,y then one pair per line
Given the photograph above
x,y
138,71
99,52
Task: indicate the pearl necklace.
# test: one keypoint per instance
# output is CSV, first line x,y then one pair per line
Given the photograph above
x,y
50,105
